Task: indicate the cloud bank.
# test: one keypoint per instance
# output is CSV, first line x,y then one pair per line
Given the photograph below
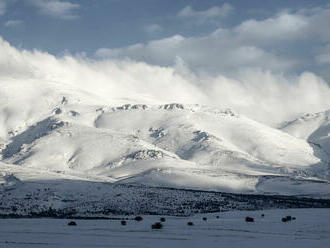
x,y
288,42
13,23
260,94
56,8
204,15
153,28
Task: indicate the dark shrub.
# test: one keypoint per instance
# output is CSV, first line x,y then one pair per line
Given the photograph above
x,y
190,223
72,223
293,218
157,225
262,215
138,218
218,217
204,218
123,222
162,219
249,219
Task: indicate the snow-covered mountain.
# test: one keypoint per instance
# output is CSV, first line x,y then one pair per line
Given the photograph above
x,y
53,129
94,121
312,127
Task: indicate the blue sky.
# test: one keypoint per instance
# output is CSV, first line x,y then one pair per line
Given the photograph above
x,y
115,23
286,36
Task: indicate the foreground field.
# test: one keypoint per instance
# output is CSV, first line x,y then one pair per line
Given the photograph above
x,y
310,229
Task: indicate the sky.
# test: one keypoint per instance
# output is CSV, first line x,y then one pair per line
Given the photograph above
x,y
86,25
290,35
241,52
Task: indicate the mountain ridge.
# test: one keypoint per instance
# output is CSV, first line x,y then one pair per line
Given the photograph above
x,y
180,145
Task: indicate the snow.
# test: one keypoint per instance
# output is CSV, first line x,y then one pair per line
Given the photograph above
x,y
67,119
314,128
183,146
221,128
171,145
310,229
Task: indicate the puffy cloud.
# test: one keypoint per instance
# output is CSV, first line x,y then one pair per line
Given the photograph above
x,y
283,26
318,20
268,97
13,23
277,43
323,57
203,15
260,94
214,53
153,28
56,8
251,67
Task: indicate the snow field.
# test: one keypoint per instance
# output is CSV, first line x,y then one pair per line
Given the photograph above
x,y
310,229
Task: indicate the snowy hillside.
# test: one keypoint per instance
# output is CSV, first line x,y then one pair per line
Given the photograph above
x,y
70,132
314,128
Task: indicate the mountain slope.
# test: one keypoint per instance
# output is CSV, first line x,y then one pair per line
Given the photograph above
x,y
189,131
314,128
69,131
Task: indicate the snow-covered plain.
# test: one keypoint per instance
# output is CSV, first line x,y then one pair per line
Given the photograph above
x,y
310,229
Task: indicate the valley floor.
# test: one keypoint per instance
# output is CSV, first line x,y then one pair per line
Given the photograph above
x,y
310,229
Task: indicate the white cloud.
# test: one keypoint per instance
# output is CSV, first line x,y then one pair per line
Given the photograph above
x,y
213,12
56,8
13,23
242,67
153,28
270,44
318,20
212,53
284,26
260,94
3,7
323,57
